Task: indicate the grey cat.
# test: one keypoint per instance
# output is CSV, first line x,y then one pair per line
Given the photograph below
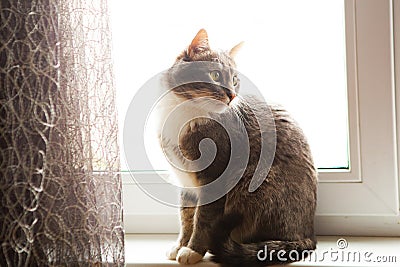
x,y
241,228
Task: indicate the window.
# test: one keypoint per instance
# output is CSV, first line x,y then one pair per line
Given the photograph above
x,y
331,65
293,49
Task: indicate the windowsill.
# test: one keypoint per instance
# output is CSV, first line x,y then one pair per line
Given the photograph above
x,y
149,250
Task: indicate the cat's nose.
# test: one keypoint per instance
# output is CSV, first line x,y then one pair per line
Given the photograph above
x,y
231,94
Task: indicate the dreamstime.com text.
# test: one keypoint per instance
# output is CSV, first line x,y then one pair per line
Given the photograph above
x,y
339,254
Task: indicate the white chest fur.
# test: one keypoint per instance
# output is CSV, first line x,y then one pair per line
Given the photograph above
x,y
175,118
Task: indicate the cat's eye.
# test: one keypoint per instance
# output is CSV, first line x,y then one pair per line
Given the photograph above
x,y
215,75
235,80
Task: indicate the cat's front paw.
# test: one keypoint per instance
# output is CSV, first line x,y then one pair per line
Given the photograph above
x,y
188,256
173,252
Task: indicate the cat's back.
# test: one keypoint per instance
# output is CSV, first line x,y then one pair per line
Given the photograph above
x,y
272,129
292,148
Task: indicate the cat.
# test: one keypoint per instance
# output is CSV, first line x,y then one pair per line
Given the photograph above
x,y
241,228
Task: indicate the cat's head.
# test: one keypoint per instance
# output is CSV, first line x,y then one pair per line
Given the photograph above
x,y
202,73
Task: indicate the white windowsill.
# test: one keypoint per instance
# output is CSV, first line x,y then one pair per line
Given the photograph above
x,y
149,250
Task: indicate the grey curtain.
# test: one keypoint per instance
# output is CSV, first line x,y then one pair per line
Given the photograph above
x,y
60,191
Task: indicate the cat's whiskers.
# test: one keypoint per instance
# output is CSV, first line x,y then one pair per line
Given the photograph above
x,y
235,106
207,102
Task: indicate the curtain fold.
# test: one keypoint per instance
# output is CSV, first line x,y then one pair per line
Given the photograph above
x,y
60,188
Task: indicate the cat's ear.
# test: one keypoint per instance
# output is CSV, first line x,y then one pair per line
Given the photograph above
x,y
233,52
199,43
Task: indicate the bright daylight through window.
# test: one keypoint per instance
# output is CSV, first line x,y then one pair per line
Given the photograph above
x,y
295,56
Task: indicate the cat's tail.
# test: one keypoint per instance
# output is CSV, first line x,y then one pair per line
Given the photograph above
x,y
227,252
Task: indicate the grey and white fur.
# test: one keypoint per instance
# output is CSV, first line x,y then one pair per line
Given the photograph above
x,y
278,215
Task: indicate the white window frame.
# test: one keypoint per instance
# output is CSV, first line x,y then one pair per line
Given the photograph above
x,y
370,205
363,200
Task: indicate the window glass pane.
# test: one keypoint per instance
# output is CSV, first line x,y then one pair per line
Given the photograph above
x,y
294,52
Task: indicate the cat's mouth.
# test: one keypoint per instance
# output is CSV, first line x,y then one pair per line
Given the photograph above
x,y
222,105
231,95
233,101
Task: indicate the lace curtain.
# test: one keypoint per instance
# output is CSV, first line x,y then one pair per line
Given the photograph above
x,y
60,191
